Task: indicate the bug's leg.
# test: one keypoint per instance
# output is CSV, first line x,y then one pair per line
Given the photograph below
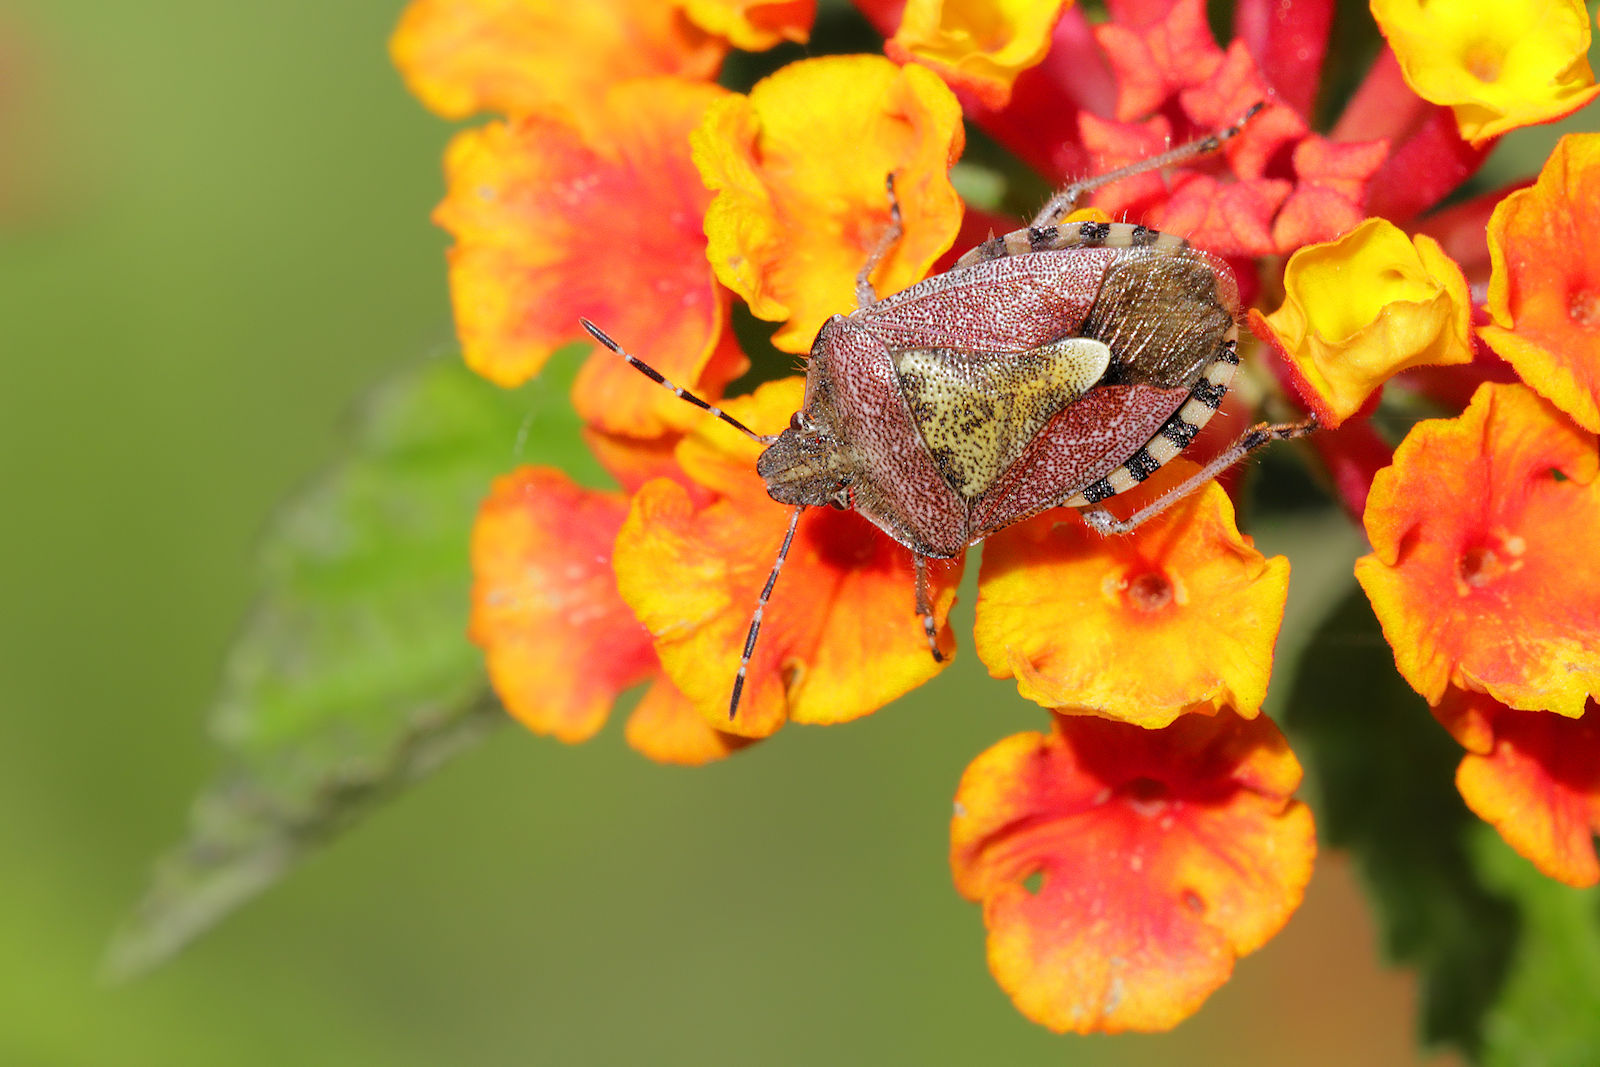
x,y
925,607
761,606
865,297
1256,436
1067,199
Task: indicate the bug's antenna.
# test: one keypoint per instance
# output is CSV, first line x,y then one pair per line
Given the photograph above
x,y
682,394
761,606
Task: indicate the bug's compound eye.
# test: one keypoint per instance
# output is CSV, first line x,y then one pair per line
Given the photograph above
x,y
797,421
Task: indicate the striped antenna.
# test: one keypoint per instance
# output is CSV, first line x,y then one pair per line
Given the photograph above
x,y
761,606
682,394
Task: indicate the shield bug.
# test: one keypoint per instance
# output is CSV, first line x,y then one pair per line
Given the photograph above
x,y
1058,365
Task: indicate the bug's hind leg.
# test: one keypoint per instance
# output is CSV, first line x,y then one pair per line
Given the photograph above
x,y
1067,199
925,607
865,295
1255,437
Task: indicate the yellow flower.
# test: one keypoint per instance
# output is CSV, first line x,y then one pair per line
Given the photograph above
x,y
1499,64
1361,309
978,45
798,167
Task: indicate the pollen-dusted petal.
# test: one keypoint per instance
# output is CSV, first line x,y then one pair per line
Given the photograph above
x,y
1482,571
1498,64
1182,612
799,168
1535,778
839,638
517,57
558,640
666,728
1360,309
1159,856
977,45
553,221
754,25
1544,285
1156,52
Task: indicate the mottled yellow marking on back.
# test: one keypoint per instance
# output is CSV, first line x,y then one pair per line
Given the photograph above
x,y
977,414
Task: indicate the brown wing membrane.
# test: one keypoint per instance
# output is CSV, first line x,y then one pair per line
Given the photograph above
x,y
1161,317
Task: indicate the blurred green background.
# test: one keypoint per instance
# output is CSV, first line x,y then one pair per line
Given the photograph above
x,y
214,236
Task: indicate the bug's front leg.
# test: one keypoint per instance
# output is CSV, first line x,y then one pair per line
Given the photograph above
x,y
865,296
925,607
1102,521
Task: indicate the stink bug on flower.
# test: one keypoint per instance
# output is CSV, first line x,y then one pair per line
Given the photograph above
x,y
1058,365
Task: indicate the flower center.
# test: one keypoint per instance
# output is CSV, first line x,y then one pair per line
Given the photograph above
x,y
1483,61
1150,591
1485,563
1583,308
1147,796
1480,566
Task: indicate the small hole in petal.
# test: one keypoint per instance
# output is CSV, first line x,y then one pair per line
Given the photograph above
x,y
1150,591
1033,883
1483,61
1480,565
1192,901
1147,796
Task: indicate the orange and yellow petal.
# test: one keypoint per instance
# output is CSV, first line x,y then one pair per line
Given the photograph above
x,y
518,57
1122,871
1534,777
1360,309
666,728
1483,565
558,640
799,169
554,221
1498,64
1183,612
840,636
1544,286
976,45
753,25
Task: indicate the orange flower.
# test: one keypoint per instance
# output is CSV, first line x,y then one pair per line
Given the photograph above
x,y
1358,310
1182,612
1499,64
518,57
1533,776
753,25
1162,856
558,641
799,166
1544,290
976,45
1482,571
840,637
554,221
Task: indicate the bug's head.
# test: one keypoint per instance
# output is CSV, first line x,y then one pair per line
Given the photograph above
x,y
806,466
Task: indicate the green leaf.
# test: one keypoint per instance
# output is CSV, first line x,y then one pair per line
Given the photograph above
x,y
1509,960
1548,1011
353,676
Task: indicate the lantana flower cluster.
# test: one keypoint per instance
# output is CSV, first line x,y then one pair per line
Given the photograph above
x,y
1147,836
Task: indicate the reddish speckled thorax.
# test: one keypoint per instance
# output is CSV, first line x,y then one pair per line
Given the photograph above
x,y
1058,365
